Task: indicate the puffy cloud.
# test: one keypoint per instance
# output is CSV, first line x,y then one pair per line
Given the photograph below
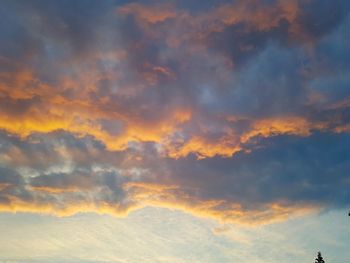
x,y
222,109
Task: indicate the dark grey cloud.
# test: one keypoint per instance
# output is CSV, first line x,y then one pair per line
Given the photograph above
x,y
9,176
282,168
241,43
305,171
318,18
314,20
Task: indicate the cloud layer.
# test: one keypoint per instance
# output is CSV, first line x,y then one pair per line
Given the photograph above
x,y
236,110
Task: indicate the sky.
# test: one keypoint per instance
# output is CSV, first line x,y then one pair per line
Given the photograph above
x,y
174,131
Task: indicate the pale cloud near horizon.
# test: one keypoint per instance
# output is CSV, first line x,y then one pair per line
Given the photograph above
x,y
162,235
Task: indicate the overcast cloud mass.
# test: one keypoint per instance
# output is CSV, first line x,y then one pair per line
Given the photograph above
x,y
233,110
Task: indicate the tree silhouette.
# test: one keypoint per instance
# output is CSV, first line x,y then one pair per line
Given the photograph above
x,y
319,258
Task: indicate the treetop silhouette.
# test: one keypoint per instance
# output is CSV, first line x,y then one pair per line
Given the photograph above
x,y
319,258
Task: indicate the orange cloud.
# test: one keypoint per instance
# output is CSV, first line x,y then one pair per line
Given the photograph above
x,y
152,14
204,148
17,205
253,12
4,186
61,202
258,15
82,118
276,126
227,212
82,114
55,190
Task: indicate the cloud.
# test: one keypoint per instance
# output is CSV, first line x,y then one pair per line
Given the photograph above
x,y
214,110
281,177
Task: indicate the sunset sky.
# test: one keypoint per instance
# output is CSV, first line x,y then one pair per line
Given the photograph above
x,y
174,131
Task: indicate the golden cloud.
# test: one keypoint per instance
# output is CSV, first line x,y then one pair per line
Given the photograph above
x,y
150,194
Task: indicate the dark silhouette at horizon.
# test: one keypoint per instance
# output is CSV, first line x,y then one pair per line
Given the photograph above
x,y
319,258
